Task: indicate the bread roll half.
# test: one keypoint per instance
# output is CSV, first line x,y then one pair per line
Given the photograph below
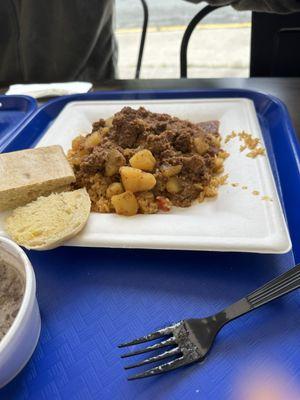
x,y
49,221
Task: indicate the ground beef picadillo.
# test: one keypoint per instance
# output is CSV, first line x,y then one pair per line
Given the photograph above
x,y
172,142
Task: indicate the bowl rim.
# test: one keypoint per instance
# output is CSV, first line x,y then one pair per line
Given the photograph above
x,y
28,296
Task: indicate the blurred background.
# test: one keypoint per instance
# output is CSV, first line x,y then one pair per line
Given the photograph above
x,y
219,46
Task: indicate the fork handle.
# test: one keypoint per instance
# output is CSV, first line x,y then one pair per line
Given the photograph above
x,y
277,287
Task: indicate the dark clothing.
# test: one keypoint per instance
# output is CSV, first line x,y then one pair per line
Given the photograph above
x,y
275,6
56,40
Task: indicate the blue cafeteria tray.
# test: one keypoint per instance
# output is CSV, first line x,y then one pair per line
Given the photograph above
x,y
93,299
14,110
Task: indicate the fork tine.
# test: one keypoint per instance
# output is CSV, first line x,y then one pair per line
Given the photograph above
x,y
153,359
179,362
164,343
148,338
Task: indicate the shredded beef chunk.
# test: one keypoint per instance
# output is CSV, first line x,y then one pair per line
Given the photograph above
x,y
128,125
183,142
195,169
185,155
98,124
95,161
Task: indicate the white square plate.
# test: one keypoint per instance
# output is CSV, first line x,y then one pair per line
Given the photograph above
x,y
235,221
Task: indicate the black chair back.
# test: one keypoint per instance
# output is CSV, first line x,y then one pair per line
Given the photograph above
x,y
275,45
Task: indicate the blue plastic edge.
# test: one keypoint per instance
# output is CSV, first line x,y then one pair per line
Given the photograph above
x,y
286,169
26,104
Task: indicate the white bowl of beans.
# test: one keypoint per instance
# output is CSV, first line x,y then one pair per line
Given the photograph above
x,y
20,321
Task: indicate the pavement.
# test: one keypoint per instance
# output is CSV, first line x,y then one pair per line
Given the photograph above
x,y
171,13
219,47
215,50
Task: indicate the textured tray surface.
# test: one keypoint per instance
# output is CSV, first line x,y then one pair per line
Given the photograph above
x,y
93,299
13,112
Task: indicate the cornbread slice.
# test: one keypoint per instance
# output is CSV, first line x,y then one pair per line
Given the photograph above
x,y
48,221
27,174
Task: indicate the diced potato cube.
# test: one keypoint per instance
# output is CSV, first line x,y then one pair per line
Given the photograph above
x,y
170,170
125,203
173,185
136,180
93,140
201,145
114,189
143,160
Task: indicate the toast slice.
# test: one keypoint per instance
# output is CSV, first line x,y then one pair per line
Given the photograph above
x,y
27,174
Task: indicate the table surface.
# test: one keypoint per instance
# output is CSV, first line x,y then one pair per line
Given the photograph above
x,y
286,89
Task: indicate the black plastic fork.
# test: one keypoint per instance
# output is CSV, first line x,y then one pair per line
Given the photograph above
x,y
190,340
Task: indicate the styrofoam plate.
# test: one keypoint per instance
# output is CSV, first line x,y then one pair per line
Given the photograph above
x,y
234,221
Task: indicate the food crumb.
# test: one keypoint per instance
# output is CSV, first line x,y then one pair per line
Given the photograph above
x,y
223,154
255,192
256,152
244,187
266,198
219,180
231,136
210,191
235,184
250,143
249,140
